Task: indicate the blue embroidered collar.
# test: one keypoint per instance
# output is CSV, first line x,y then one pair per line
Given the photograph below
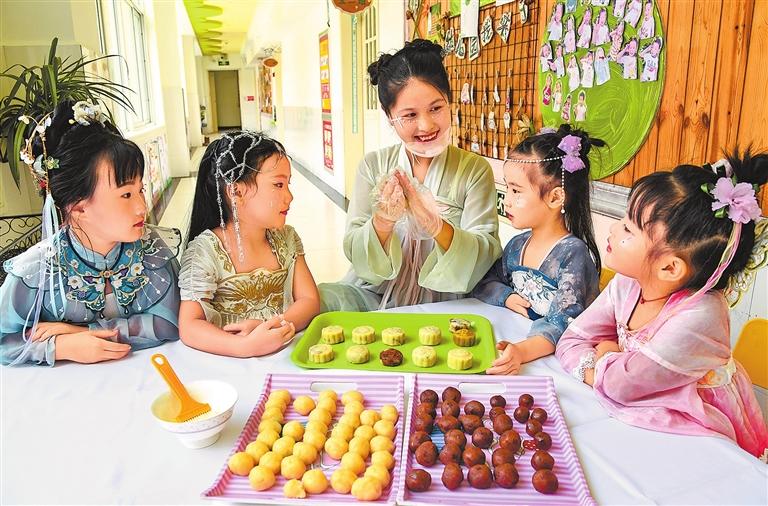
x,y
123,267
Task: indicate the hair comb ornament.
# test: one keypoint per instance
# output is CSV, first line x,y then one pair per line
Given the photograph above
x,y
87,113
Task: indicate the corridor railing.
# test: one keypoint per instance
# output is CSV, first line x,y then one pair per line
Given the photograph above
x,y
17,234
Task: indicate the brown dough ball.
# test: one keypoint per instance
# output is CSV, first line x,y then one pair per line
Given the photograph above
x,y
426,454
542,460
521,414
452,394
482,437
502,424
452,476
544,481
502,456
418,480
450,453
417,438
532,427
511,440
543,441
525,400
446,423
498,401
429,396
472,456
457,437
470,423
539,414
426,408
423,423
506,475
450,408
474,408
480,476
496,411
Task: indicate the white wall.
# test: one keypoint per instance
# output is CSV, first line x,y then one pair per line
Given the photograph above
x,y
249,111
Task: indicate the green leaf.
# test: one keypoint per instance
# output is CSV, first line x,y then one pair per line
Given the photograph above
x,y
52,52
720,213
13,158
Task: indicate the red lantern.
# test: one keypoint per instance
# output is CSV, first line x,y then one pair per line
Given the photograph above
x,y
352,6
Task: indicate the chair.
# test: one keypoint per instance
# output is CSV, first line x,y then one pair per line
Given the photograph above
x,y
606,275
752,350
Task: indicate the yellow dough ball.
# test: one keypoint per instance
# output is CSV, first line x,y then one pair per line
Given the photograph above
x,y
328,394
382,443
389,412
266,425
350,419
293,429
268,437
261,478
241,463
275,414
275,404
320,415
385,428
383,458
327,404
335,447
361,446
368,417
353,408
316,426
303,405
283,395
294,489
366,432
366,489
380,473
292,468
314,438
354,462
314,481
256,449
352,395
305,451
271,461
343,431
342,480
284,445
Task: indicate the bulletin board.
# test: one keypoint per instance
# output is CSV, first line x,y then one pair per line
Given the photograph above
x,y
629,51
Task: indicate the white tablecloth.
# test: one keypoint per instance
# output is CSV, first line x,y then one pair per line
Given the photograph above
x,y
84,434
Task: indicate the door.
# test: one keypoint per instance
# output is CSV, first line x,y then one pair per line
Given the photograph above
x,y
227,99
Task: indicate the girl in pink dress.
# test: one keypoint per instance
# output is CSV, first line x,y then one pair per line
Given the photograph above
x,y
655,344
585,30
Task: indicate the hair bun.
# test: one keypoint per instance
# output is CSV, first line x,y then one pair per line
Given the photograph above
x,y
423,45
375,69
587,142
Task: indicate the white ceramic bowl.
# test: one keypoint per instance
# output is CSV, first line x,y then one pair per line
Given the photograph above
x,y
203,430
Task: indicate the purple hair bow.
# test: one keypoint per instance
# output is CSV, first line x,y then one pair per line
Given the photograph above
x,y
571,146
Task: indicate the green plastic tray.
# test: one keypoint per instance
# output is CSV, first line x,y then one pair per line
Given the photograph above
x,y
484,352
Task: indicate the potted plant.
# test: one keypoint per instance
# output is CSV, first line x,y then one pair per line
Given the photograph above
x,y
37,89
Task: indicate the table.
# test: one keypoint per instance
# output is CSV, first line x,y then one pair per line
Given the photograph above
x,y
84,434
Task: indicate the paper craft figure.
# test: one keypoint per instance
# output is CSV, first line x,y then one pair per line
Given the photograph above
x,y
504,26
545,56
457,118
486,31
648,26
492,120
557,97
587,70
546,93
633,12
601,3
465,96
569,40
496,96
495,153
507,120
570,6
600,29
618,9
617,39
558,64
650,55
574,79
580,109
627,58
555,27
484,96
585,30
565,114
602,70
522,6
505,152
475,146
482,121
472,90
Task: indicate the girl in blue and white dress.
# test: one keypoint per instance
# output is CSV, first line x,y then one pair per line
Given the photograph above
x,y
104,283
549,273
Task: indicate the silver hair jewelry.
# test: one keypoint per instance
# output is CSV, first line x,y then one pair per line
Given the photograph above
x,y
562,172
230,176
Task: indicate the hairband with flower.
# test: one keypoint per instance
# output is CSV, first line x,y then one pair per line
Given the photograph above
x,y
736,200
87,113
40,165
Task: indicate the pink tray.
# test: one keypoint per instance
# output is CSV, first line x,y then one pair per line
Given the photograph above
x,y
573,487
377,390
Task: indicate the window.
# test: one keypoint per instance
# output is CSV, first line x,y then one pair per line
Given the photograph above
x,y
370,51
123,30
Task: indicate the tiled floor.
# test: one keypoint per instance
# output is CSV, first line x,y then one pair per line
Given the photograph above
x,y
319,222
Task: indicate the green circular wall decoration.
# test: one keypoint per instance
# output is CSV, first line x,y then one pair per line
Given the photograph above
x,y
619,110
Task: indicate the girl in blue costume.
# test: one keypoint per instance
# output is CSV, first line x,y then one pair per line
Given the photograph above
x,y
104,283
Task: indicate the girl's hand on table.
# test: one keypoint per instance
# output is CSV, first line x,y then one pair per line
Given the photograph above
x,y
242,328
46,330
517,304
90,346
509,362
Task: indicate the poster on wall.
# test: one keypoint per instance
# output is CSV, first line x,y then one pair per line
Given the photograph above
x,y
325,99
156,173
601,68
327,144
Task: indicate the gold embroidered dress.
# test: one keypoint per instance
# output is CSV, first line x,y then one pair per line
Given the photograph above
x,y
209,277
